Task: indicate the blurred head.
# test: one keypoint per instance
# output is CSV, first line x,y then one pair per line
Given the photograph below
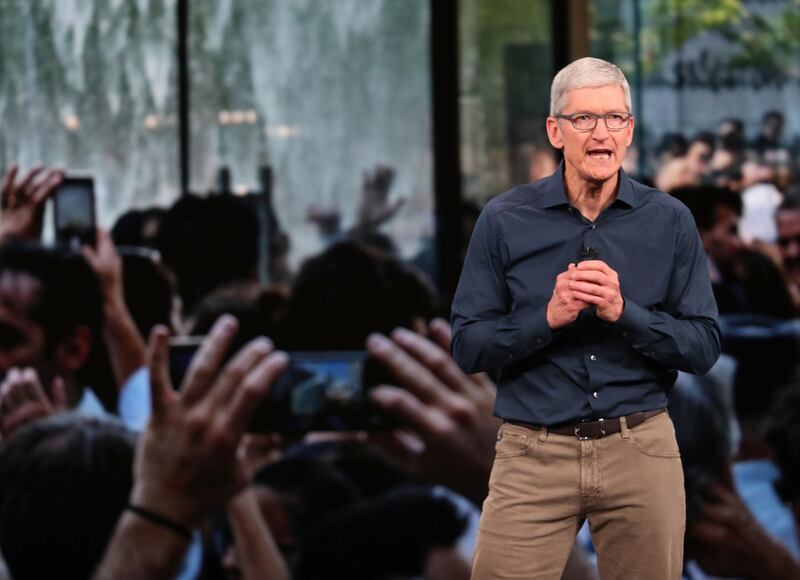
x,y
699,154
787,220
50,312
64,481
590,85
406,533
208,242
716,212
342,295
149,291
772,125
294,495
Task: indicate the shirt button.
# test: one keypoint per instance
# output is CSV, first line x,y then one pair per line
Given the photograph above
x,y
594,394
594,226
624,335
592,357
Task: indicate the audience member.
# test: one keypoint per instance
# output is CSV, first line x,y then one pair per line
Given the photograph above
x,y
64,481
787,219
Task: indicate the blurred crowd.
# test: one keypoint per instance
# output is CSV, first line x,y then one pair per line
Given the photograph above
x,y
116,464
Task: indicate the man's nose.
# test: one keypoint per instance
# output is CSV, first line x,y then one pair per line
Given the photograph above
x,y
600,131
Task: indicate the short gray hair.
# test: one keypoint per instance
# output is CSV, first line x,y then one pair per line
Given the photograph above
x,y
584,73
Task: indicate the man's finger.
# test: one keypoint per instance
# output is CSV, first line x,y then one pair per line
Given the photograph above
x,y
237,369
47,186
28,179
598,265
208,360
410,373
591,276
250,393
58,394
435,359
429,422
442,333
158,365
8,180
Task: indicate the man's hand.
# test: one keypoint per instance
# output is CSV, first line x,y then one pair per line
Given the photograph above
x,y
564,305
23,400
186,462
107,264
594,283
22,201
449,412
374,208
726,540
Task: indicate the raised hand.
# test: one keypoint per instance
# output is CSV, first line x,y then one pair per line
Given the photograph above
x,y
186,463
23,400
448,412
22,201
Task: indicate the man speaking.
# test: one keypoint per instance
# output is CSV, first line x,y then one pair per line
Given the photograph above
x,y
581,295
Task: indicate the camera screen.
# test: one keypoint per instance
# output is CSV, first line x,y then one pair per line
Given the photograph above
x,y
74,206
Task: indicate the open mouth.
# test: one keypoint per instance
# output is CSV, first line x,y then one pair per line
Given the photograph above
x,y
600,154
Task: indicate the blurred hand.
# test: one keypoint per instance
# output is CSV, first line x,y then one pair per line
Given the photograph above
x,y
23,400
187,464
22,201
107,264
594,283
374,207
449,411
726,540
564,306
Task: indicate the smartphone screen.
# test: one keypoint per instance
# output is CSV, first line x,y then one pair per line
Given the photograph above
x,y
323,391
74,212
318,391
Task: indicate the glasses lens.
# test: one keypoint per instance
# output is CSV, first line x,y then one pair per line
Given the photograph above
x,y
617,120
583,122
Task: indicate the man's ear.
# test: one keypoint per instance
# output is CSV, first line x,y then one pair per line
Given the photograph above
x,y
73,351
554,133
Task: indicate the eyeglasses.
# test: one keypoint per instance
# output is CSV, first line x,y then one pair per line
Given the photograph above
x,y
588,121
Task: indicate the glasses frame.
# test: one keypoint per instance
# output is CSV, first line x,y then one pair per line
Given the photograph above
x,y
595,116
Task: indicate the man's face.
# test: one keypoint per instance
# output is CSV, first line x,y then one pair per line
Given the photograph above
x,y
22,341
788,222
722,241
594,156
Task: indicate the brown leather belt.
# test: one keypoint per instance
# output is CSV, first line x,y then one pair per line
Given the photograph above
x,y
594,429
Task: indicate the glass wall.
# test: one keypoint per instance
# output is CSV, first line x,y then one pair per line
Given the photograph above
x,y
698,63
325,93
91,85
506,68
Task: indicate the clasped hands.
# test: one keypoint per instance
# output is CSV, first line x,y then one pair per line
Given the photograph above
x,y
586,284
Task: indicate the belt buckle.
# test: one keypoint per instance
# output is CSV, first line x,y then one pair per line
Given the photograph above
x,y
589,437
579,436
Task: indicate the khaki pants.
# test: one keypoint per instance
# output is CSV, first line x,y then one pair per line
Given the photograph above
x,y
628,484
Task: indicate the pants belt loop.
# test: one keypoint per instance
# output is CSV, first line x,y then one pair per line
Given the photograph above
x,y
623,425
543,434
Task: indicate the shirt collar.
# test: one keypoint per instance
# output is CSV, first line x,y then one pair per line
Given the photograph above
x,y
554,194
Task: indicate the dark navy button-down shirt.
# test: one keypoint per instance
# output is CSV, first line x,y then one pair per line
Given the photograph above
x,y
590,368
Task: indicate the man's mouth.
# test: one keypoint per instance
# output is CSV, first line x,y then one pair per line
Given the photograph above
x,y
600,154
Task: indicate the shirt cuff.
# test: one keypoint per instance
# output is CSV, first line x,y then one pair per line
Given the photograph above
x,y
133,403
536,333
634,321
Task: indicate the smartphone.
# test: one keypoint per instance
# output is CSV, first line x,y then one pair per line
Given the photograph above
x,y
318,391
74,212
324,391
